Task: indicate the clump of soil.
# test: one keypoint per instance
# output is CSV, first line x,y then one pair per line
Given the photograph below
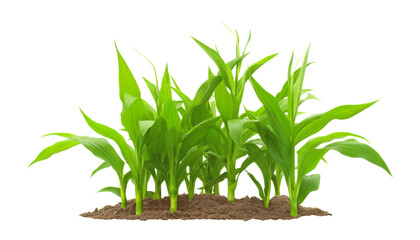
x,y
206,206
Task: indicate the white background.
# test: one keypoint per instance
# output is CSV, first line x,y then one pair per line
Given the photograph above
x,y
56,57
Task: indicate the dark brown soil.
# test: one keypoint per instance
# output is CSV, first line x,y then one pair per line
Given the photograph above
x,y
205,206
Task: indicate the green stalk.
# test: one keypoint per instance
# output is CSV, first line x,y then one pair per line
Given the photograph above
x,y
123,198
231,191
190,189
174,202
293,206
139,199
173,190
267,201
158,190
231,171
216,189
267,198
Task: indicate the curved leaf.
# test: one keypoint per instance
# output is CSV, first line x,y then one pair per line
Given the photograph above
x,y
127,83
226,103
260,189
316,123
353,148
309,184
53,149
217,59
111,134
153,90
114,190
251,70
276,116
100,148
102,166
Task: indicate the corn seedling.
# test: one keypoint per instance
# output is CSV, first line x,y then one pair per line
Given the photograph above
x,y
194,139
281,134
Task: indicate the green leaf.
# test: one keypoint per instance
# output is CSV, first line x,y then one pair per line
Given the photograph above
x,y
187,101
165,89
226,103
198,133
237,129
200,114
102,166
114,190
111,134
215,181
277,148
153,90
260,189
221,65
251,70
315,142
137,111
100,148
309,184
153,139
127,177
53,149
128,84
299,83
353,148
316,123
277,118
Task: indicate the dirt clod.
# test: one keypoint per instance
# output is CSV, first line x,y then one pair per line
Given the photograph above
x,y
205,206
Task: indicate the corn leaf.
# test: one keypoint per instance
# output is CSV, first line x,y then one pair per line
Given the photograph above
x,y
251,70
237,129
100,167
114,190
316,123
260,189
217,59
127,177
309,184
100,148
111,134
153,90
53,149
276,116
354,149
299,83
128,84
165,89
137,111
226,103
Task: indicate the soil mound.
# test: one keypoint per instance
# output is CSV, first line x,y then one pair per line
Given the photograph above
x,y
205,206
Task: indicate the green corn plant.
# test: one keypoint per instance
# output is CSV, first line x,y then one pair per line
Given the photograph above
x,y
100,148
156,151
228,95
267,165
182,149
261,114
281,134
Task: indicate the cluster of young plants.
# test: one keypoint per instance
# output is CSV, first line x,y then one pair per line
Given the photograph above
x,y
200,141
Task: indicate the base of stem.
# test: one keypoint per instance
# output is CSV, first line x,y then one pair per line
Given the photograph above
x,y
174,203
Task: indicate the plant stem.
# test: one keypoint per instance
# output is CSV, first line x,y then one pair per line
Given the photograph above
x,y
174,202
216,189
277,176
139,200
157,194
231,190
293,206
123,198
190,189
